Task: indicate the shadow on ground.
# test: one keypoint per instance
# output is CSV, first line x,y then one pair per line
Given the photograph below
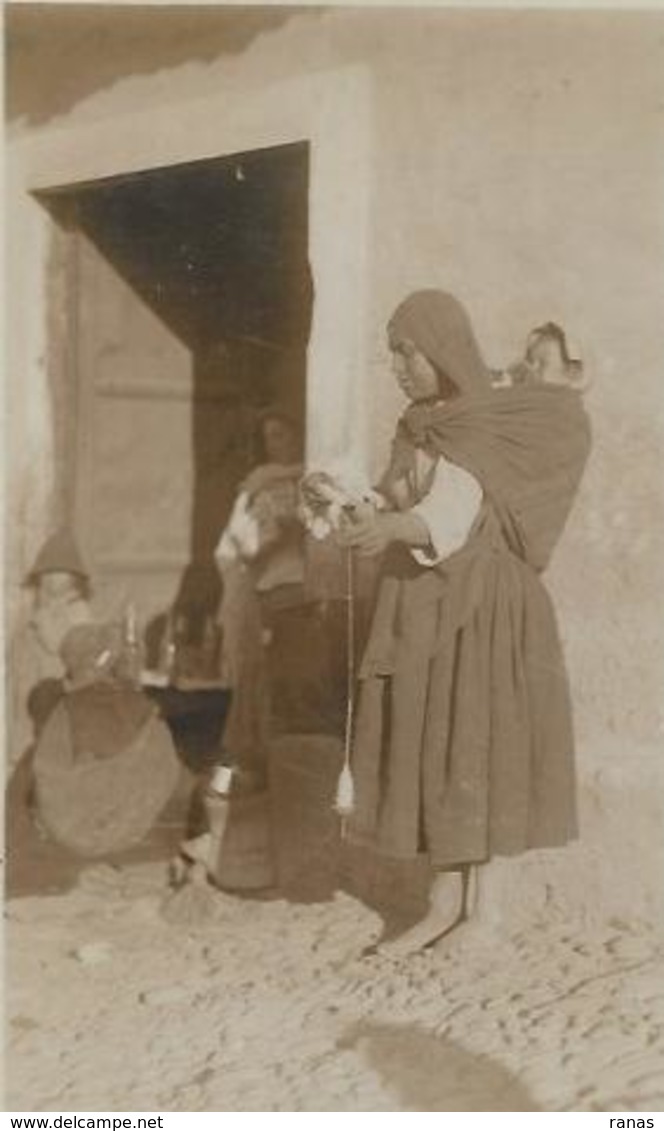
x,y
429,1073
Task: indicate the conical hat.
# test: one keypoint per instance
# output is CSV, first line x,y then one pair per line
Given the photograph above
x,y
59,554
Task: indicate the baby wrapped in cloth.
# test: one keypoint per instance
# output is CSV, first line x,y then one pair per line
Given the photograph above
x,y
105,764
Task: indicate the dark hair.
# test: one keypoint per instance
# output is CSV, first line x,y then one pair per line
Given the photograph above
x,y
555,333
200,589
446,386
196,603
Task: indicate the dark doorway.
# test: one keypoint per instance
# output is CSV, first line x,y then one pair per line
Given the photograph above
x,y
216,253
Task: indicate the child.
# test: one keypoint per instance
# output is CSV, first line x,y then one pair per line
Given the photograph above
x,y
546,361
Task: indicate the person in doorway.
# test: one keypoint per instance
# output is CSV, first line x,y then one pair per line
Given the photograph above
x,y
463,746
261,559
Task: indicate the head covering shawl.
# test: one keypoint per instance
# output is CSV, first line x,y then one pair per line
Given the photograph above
x,y
438,325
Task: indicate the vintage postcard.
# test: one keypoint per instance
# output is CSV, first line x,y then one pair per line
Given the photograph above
x,y
333,558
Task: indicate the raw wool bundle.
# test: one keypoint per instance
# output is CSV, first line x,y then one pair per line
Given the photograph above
x,y
326,495
98,806
273,502
267,498
240,538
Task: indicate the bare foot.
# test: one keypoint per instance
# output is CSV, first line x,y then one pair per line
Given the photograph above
x,y
447,901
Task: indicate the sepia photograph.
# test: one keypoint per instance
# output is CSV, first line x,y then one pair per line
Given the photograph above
x,y
333,559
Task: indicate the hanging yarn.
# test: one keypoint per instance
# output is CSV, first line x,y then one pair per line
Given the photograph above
x,y
325,500
345,796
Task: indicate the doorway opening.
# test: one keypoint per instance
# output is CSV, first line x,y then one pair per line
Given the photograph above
x,y
187,307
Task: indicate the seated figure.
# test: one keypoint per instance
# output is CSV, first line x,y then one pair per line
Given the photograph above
x,y
104,764
60,588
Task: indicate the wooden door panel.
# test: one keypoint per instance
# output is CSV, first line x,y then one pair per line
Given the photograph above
x,y
135,464
141,480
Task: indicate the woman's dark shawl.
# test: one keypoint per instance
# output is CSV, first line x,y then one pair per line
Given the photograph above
x,y
526,447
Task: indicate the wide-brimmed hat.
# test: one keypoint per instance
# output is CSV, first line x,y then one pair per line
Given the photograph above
x,y
59,554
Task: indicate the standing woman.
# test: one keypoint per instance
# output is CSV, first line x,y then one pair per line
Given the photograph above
x,y
463,745
261,558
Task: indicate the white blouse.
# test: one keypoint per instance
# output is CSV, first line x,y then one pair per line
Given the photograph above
x,y
448,510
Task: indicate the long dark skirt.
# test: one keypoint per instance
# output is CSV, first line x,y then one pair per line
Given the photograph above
x,y
463,743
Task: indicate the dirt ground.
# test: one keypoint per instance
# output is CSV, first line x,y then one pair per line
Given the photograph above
x,y
270,1006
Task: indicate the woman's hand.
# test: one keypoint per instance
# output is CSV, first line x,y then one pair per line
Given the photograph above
x,y
370,531
366,530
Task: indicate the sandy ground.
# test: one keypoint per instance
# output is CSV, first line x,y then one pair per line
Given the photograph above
x,y
270,1007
